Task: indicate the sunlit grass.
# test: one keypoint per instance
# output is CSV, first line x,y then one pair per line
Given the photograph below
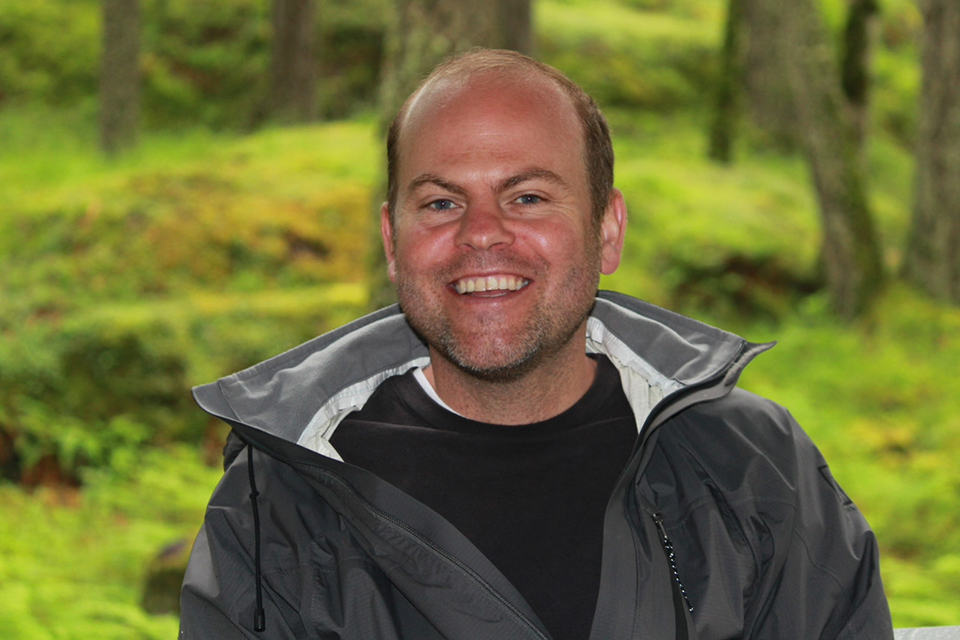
x,y
50,159
637,25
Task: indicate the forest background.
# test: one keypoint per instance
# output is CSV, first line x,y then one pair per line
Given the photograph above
x,y
215,207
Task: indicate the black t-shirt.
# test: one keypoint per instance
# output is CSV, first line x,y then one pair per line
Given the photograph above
x,y
532,498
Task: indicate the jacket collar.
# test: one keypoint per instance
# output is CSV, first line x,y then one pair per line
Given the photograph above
x,y
302,394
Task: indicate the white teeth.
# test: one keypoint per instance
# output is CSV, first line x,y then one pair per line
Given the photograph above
x,y
490,283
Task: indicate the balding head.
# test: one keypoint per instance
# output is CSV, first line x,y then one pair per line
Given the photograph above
x,y
492,65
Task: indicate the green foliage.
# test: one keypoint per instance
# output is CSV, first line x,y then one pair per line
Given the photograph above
x,y
896,95
351,51
202,62
72,565
120,297
235,218
895,72
735,241
628,58
48,50
207,63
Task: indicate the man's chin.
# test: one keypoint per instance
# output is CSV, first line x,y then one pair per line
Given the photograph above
x,y
500,372
493,363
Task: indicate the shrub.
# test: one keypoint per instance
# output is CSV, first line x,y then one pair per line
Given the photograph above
x,y
49,51
202,62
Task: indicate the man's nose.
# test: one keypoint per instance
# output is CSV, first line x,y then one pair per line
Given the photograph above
x,y
483,226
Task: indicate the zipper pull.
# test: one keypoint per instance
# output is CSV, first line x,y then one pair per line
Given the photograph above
x,y
671,557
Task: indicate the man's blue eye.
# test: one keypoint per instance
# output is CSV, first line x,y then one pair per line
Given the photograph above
x,y
529,198
441,205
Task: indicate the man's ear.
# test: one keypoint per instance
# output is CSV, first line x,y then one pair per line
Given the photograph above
x,y
386,233
613,229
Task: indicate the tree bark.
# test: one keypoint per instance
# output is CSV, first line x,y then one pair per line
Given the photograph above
x,y
421,34
120,75
768,94
858,37
515,25
850,251
424,32
293,82
723,127
933,251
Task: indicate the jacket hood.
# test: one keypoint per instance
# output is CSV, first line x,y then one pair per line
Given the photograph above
x,y
302,394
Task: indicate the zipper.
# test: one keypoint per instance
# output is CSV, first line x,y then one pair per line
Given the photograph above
x,y
716,386
680,400
672,559
711,388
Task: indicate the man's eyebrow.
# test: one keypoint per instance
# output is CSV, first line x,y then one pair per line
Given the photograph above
x,y
429,178
507,183
532,174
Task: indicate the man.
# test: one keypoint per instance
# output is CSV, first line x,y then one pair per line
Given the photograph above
x,y
509,454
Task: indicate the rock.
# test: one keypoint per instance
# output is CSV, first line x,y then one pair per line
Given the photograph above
x,y
161,587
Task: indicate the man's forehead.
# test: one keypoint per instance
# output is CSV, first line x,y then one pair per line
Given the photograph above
x,y
445,91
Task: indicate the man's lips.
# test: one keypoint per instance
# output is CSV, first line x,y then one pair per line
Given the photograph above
x,y
491,283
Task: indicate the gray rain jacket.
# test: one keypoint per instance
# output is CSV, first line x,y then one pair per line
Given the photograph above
x,y
726,523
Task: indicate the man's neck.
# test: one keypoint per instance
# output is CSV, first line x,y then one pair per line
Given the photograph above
x,y
548,390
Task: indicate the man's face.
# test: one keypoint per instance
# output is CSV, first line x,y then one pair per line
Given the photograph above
x,y
491,247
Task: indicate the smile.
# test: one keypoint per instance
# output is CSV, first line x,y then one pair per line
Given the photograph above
x,y
490,283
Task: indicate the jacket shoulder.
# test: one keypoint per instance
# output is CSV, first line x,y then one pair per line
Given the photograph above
x,y
746,493
743,437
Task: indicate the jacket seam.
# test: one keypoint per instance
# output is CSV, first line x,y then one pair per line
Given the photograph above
x,y
821,568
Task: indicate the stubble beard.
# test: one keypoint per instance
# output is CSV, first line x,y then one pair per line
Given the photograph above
x,y
550,327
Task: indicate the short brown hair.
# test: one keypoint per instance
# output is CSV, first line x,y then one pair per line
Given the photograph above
x,y
598,149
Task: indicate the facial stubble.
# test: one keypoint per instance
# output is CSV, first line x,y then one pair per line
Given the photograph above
x,y
547,330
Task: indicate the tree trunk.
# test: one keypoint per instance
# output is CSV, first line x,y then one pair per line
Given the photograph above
x,y
858,44
723,127
424,32
120,75
933,252
768,94
515,25
293,83
421,34
850,252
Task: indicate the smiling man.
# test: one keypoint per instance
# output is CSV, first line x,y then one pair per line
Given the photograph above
x,y
494,242
507,453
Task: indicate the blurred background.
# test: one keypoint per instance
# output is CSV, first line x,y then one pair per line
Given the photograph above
x,y
188,187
